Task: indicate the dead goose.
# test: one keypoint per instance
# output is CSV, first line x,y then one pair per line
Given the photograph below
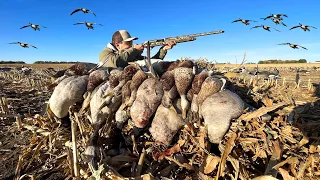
x,y
99,118
66,93
168,81
137,80
180,63
166,123
277,21
126,75
78,69
294,46
34,26
304,27
122,115
277,16
194,91
169,88
100,115
97,103
95,79
218,110
88,24
148,99
129,95
24,45
84,10
267,28
183,77
244,21
210,85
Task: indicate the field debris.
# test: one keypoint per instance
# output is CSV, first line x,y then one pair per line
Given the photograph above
x,y
276,136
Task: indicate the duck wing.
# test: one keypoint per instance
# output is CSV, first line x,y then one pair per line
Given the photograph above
x,y
236,20
92,12
276,29
79,23
267,17
256,26
25,26
76,10
284,43
302,47
295,27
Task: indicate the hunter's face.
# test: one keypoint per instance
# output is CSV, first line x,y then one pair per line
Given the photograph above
x,y
125,45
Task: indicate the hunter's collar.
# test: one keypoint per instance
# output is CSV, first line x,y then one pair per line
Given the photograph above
x,y
111,46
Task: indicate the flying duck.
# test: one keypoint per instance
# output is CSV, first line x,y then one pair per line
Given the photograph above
x,y
84,10
89,25
277,16
267,28
294,46
34,26
24,45
244,21
304,27
277,21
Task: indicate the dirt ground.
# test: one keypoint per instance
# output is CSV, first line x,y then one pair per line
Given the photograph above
x,y
27,100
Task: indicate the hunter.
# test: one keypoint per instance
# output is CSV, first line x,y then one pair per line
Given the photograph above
x,y
121,50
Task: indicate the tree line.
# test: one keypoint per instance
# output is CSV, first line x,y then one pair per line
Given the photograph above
x,y
38,62
282,61
12,62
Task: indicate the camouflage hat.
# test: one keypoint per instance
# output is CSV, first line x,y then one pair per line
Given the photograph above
x,y
126,36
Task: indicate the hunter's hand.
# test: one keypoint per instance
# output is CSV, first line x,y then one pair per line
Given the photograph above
x,y
169,45
139,47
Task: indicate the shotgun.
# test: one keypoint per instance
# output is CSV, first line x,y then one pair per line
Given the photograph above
x,y
178,39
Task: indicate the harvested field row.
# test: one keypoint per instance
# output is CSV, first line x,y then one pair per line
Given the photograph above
x,y
277,135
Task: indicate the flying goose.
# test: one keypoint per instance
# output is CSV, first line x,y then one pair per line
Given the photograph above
x,y
89,25
267,28
277,16
34,26
294,46
84,10
244,21
277,21
24,45
304,27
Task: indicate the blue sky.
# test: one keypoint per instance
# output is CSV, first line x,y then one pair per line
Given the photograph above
x,y
146,19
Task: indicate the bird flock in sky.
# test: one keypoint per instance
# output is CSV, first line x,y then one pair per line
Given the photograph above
x,y
277,19
36,26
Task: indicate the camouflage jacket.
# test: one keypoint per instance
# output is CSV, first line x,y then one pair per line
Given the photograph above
x,y
121,58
